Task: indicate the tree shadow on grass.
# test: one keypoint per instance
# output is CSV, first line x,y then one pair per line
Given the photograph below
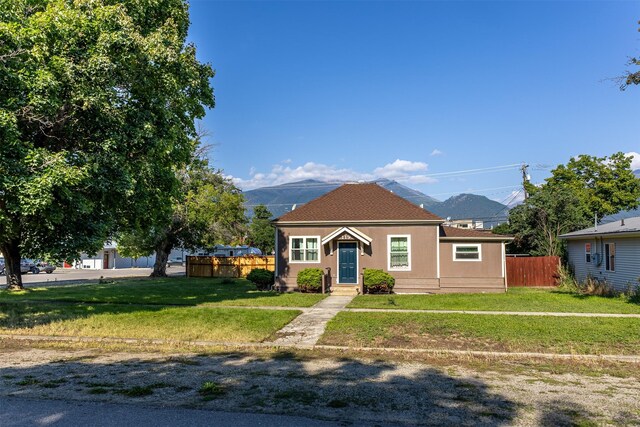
x,y
346,390
165,291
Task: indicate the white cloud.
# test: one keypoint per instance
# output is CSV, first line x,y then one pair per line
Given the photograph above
x,y
635,161
436,152
405,171
400,170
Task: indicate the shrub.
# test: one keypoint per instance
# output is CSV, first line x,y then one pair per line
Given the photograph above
x,y
310,280
262,278
378,282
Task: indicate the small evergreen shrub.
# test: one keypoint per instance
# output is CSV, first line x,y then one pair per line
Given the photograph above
x,y
262,278
378,282
310,280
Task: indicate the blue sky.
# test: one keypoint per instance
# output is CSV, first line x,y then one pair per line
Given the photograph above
x,y
421,92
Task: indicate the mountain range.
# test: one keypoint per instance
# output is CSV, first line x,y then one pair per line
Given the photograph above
x,y
281,199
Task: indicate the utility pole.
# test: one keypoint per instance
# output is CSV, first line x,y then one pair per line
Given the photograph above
x,y
525,179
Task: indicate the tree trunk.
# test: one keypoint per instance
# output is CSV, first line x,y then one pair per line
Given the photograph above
x,y
163,249
11,252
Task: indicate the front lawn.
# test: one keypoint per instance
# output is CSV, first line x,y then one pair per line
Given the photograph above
x,y
582,335
143,322
516,299
167,291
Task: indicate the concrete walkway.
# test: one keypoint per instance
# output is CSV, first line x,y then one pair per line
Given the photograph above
x,y
306,329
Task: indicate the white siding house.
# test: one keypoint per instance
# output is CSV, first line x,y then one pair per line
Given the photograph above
x,y
608,252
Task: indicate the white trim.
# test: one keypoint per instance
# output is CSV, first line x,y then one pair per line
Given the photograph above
x,y
389,237
477,245
590,253
607,259
353,232
304,244
438,253
504,262
277,252
357,265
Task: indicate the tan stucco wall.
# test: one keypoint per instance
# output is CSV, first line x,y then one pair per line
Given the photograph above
x,y
472,276
423,271
455,276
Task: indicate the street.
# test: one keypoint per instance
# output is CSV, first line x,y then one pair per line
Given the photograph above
x,y
69,276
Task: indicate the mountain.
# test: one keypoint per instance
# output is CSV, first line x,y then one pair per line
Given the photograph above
x,y
472,206
280,199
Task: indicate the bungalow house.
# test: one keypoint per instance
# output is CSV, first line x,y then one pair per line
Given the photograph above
x,y
606,252
359,226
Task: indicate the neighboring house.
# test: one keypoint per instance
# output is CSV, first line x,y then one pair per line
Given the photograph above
x,y
360,226
607,252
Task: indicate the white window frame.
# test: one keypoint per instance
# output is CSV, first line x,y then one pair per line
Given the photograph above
x,y
607,256
477,245
304,246
588,256
391,236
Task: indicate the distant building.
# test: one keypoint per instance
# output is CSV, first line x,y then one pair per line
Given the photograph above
x,y
469,224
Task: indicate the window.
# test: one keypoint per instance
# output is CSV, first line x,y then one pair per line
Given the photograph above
x,y
305,249
610,256
467,253
399,252
587,252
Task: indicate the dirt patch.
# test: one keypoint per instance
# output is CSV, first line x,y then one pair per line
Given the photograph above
x,y
348,388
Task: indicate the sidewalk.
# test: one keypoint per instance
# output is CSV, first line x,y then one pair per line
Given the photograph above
x,y
306,329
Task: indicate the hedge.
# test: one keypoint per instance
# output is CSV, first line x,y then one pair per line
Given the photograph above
x,y
378,282
310,280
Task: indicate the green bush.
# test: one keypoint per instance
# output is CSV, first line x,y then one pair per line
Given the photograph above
x,y
310,280
378,282
262,278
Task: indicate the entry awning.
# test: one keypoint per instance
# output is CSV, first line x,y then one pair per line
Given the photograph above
x,y
345,233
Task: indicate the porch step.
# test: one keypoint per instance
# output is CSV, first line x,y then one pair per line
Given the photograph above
x,y
344,290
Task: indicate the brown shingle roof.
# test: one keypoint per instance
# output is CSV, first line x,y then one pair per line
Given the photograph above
x,y
446,231
359,202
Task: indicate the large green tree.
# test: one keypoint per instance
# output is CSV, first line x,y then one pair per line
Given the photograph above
x,y
97,106
261,230
208,210
587,187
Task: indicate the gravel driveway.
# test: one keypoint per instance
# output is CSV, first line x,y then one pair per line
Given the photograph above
x,y
344,389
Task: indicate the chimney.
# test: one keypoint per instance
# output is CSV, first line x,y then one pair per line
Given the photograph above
x,y
622,222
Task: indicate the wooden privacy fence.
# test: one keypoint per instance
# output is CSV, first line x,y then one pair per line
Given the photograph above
x,y
533,271
212,266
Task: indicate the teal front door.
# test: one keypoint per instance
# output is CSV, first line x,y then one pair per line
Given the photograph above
x,y
348,262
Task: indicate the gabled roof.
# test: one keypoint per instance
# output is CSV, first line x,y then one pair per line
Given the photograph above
x,y
455,233
619,227
352,231
359,203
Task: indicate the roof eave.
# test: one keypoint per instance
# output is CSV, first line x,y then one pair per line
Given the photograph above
x,y
278,222
479,238
600,234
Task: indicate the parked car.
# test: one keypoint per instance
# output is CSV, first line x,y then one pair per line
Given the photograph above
x,y
45,266
26,266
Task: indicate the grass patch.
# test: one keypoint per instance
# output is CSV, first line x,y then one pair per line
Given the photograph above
x,y
516,299
211,390
166,291
143,322
582,335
